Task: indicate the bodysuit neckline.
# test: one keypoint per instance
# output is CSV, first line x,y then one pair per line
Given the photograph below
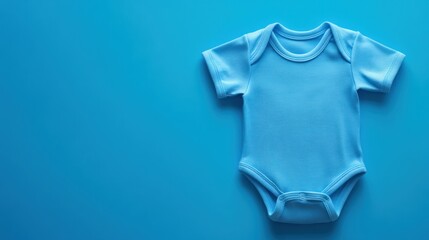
x,y
278,29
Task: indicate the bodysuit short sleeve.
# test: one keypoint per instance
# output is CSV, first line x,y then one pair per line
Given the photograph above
x,y
374,65
229,67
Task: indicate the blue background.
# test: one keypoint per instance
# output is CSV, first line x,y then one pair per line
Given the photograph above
x,y
110,127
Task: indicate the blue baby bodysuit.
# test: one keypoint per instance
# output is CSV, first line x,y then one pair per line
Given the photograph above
x,y
301,145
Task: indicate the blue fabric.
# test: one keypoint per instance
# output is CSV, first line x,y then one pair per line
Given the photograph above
x,y
301,145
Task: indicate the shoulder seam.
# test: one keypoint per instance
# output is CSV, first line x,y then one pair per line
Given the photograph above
x,y
255,52
340,42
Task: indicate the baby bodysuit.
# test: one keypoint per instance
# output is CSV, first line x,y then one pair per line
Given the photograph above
x,y
301,145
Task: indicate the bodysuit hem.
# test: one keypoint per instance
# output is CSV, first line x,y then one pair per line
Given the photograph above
x,y
323,196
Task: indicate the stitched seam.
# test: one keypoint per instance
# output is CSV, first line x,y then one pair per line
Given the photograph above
x,y
301,59
343,46
264,35
297,197
354,86
257,172
301,37
328,209
218,77
355,89
250,65
389,71
341,176
252,55
353,52
353,81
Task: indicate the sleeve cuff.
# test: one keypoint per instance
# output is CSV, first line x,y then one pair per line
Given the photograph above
x,y
392,71
214,73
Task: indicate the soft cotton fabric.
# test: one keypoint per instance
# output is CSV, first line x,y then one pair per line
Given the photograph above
x,y
301,146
